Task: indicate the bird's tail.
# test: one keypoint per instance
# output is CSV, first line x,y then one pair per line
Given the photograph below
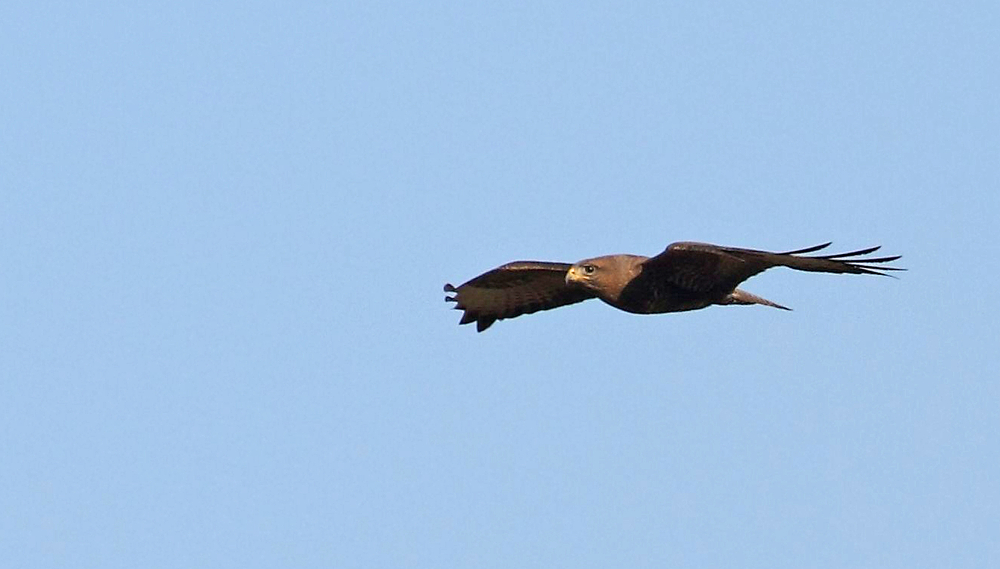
x,y
743,297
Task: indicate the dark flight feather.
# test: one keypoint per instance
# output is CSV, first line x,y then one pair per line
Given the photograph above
x,y
517,288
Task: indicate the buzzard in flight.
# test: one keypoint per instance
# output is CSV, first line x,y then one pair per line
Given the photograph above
x,y
686,276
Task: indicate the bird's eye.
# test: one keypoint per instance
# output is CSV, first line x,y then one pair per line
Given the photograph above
x,y
589,269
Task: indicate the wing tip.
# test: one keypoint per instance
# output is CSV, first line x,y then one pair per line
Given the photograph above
x,y
808,249
852,261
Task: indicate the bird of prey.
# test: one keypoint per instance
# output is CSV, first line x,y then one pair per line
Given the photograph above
x,y
685,276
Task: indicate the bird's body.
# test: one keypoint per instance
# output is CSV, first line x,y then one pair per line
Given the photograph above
x,y
686,276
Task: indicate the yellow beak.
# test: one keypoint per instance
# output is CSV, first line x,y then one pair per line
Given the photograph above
x,y
571,275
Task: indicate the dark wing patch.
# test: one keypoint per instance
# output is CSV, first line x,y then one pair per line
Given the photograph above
x,y
705,268
517,288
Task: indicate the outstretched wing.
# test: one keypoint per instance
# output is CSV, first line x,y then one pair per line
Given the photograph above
x,y
712,269
517,288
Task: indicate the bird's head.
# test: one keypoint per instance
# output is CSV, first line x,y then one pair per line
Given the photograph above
x,y
586,273
606,276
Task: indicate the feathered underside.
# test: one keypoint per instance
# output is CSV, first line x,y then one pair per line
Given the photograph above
x,y
688,276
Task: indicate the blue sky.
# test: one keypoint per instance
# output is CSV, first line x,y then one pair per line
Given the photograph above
x,y
225,228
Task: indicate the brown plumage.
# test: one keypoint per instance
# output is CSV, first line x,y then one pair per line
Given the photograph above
x,y
685,276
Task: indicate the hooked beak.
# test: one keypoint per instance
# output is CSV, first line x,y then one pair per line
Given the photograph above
x,y
572,275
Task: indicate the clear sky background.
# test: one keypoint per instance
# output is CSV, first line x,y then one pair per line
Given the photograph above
x,y
224,229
